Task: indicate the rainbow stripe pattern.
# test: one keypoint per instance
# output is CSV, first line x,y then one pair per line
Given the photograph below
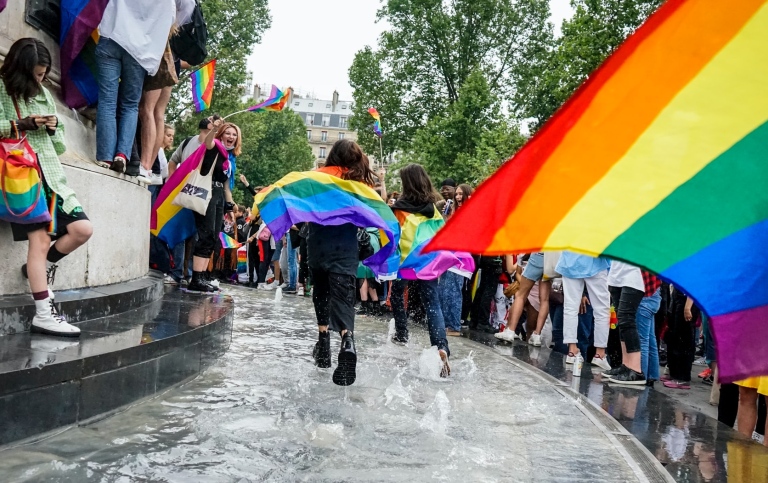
x,y
227,241
170,223
376,121
202,86
275,102
80,20
415,264
660,160
22,197
242,259
322,198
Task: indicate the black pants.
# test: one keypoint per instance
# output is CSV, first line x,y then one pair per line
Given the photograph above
x,y
208,226
680,339
303,263
334,299
627,300
253,261
266,257
486,291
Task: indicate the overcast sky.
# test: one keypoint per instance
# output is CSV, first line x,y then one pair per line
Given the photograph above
x,y
311,43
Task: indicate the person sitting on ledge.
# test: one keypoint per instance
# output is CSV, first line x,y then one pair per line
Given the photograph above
x,y
28,109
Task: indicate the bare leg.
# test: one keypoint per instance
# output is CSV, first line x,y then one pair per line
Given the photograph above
x,y
199,264
544,289
746,418
148,127
364,291
39,243
78,233
519,303
159,114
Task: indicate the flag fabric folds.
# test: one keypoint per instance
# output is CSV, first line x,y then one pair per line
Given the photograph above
x,y
322,198
376,121
659,159
202,86
80,20
227,241
275,102
170,223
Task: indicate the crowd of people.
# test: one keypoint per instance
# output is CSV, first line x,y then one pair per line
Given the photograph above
x,y
612,315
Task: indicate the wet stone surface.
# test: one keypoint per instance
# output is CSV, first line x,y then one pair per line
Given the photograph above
x,y
263,412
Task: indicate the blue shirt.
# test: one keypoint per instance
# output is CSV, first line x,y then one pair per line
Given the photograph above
x,y
573,265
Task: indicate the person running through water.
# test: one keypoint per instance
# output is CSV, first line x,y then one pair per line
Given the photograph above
x,y
333,257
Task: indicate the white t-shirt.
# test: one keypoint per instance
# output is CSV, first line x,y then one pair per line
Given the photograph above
x,y
625,275
163,164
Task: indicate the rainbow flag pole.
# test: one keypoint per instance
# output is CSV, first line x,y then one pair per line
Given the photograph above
x,y
377,131
276,101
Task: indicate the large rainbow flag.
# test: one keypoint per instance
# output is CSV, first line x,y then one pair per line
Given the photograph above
x,y
416,231
659,159
312,196
78,39
202,86
170,223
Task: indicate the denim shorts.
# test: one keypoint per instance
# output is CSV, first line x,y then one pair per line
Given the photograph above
x,y
534,270
278,250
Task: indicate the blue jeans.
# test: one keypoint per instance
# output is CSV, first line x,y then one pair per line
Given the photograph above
x,y
293,269
585,334
177,253
450,299
431,300
120,79
645,318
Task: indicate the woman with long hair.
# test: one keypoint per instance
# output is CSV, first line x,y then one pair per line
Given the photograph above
x,y
418,198
208,225
27,109
333,256
463,193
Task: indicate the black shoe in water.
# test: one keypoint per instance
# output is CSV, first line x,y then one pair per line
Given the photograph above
x,y
322,351
199,284
614,371
344,375
628,377
400,338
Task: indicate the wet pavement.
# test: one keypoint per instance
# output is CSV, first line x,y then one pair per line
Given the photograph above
x,y
263,412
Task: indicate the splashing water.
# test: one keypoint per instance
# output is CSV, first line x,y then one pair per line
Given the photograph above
x,y
278,295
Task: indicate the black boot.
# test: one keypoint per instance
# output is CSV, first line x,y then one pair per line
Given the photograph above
x,y
199,284
364,309
344,375
322,351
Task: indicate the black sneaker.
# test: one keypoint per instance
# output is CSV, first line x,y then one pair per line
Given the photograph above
x,y
344,375
322,351
290,291
400,338
628,377
709,380
614,371
118,163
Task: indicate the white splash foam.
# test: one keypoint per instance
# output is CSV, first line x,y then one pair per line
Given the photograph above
x,y
436,417
430,364
278,294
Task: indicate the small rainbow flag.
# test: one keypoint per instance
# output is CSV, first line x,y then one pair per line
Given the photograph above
x,y
316,197
202,86
275,102
242,259
170,223
416,231
659,159
227,241
376,121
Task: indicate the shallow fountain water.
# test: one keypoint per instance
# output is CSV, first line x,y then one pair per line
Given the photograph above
x,y
263,412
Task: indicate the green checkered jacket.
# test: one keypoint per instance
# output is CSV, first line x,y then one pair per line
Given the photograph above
x,y
48,148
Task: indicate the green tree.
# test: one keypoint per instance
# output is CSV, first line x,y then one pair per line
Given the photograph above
x,y
597,28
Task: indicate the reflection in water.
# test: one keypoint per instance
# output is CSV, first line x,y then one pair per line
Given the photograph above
x,y
263,412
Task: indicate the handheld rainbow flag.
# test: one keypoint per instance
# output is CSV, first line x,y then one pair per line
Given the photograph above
x,y
170,223
275,102
416,231
659,159
80,20
202,86
316,197
227,241
376,121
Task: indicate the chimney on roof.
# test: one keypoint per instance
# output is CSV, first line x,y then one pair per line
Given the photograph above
x,y
256,92
335,100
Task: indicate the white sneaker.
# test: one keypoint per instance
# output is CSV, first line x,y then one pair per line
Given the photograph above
x,y
53,324
168,280
535,340
284,285
507,336
571,359
155,179
700,362
270,286
145,176
601,362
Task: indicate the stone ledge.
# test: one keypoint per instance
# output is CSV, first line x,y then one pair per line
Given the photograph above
x,y
47,382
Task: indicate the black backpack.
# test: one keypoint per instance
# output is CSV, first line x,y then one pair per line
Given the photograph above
x,y
191,41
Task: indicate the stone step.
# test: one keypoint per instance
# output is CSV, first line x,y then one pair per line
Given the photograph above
x,y
49,382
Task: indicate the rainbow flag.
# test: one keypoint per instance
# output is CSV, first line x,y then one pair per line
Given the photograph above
x,y
416,231
376,121
227,241
322,198
170,223
242,259
659,159
275,102
202,86
79,36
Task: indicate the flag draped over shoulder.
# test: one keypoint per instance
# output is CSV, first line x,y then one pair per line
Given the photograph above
x,y
78,39
322,198
416,230
659,159
170,223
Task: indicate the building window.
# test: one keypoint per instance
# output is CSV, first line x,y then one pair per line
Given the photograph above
x,y
327,106
309,134
310,119
322,153
341,135
343,122
296,103
324,135
311,104
326,119
343,106
45,15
